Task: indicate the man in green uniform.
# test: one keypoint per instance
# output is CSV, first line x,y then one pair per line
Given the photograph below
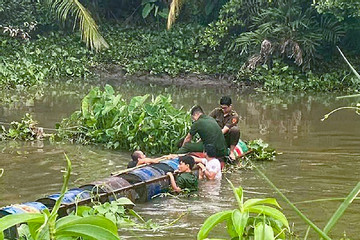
x,y
209,132
186,179
227,120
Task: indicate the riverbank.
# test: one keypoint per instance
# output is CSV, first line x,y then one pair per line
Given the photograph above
x,y
157,57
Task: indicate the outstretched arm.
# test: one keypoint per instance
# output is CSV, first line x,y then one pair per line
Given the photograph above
x,y
173,183
187,139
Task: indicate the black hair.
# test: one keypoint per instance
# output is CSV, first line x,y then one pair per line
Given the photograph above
x,y
135,156
225,100
210,150
196,109
132,164
187,160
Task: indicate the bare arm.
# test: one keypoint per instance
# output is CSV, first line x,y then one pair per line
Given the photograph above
x,y
187,139
204,172
225,129
173,183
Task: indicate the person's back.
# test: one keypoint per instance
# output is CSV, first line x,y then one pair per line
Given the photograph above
x,y
210,133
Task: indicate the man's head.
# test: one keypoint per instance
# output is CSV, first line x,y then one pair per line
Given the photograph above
x,y
226,104
210,150
135,156
196,112
186,163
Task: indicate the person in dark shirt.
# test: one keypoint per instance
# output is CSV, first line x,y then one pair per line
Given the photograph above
x,y
227,120
186,180
209,132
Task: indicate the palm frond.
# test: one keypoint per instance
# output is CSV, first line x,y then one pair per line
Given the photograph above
x,y
175,7
89,30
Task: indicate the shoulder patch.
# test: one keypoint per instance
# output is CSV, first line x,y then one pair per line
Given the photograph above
x,y
234,120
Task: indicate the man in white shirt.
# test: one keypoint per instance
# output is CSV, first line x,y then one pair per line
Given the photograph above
x,y
210,167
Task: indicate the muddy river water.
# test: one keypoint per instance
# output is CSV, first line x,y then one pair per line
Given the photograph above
x,y
320,159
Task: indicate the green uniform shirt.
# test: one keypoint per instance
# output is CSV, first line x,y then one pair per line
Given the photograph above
x,y
210,133
187,180
229,120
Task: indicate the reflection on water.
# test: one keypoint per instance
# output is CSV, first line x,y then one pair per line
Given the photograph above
x,y
319,160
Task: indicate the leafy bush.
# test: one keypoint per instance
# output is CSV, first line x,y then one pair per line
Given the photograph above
x,y
153,126
43,59
282,77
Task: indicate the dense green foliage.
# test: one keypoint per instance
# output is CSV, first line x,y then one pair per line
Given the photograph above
x,y
273,44
254,219
154,125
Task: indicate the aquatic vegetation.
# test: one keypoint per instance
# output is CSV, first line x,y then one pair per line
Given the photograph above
x,y
154,126
260,150
45,225
255,218
25,130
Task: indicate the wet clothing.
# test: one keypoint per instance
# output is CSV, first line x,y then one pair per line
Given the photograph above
x,y
209,132
230,120
187,180
213,165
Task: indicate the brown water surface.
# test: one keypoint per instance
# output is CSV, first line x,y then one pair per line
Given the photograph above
x,y
319,159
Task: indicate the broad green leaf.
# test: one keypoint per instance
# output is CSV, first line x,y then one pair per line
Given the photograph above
x,y
109,89
124,201
263,232
13,219
98,221
137,101
239,220
270,211
254,201
231,229
66,220
211,222
88,231
340,211
147,9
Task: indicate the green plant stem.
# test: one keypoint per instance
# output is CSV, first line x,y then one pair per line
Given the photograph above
x,y
324,200
308,221
340,211
337,109
348,96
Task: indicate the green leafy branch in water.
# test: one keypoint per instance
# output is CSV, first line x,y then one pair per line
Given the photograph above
x,y
24,130
153,126
261,151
